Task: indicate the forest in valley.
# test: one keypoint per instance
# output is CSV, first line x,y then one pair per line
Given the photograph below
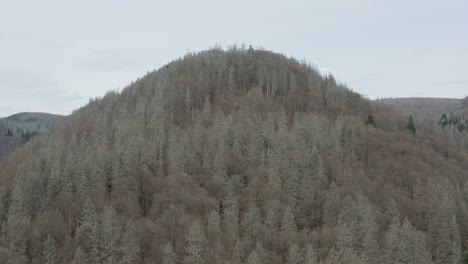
x,y
20,128
238,156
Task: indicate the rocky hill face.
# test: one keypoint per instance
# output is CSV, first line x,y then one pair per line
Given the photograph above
x,y
237,156
20,128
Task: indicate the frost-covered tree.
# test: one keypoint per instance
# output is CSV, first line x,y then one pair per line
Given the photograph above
x,y
131,243
110,235
331,207
230,211
294,255
196,242
80,257
257,256
412,245
17,226
288,227
214,224
251,222
169,255
49,250
392,238
310,255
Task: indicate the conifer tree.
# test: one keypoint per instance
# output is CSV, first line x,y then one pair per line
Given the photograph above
x,y
131,243
207,109
110,235
254,258
331,207
238,254
176,151
344,237
49,250
169,255
370,120
214,225
272,224
405,246
196,242
230,211
251,222
188,101
392,238
391,211
294,255
288,227
412,246
410,125
16,233
442,224
366,232
318,170
421,253
257,256
80,257
310,255
89,225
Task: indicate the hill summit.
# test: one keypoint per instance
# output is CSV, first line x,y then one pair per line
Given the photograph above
x,y
236,156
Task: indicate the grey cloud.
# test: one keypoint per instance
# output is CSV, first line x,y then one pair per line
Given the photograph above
x,y
111,60
17,83
426,49
365,78
449,83
4,109
28,90
19,79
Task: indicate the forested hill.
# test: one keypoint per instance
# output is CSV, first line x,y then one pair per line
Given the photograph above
x,y
20,128
35,120
448,113
424,107
236,156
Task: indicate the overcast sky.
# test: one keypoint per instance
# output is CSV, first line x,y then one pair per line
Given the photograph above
x,y
56,54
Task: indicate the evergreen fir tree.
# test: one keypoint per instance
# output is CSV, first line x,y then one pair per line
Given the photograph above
x,y
196,242
49,250
410,125
169,255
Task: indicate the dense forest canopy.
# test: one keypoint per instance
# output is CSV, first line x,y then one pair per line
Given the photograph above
x,y
237,156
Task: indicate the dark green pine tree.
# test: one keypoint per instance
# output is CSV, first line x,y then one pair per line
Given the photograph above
x,y
410,125
370,120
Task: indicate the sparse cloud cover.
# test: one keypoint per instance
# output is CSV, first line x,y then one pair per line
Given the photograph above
x,y
57,54
26,90
112,60
17,80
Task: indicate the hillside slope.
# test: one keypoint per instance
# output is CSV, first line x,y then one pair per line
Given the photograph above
x,y
237,156
449,113
424,107
20,128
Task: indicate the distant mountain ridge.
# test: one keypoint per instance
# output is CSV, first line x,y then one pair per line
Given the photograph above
x,y
447,112
34,117
423,106
17,129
